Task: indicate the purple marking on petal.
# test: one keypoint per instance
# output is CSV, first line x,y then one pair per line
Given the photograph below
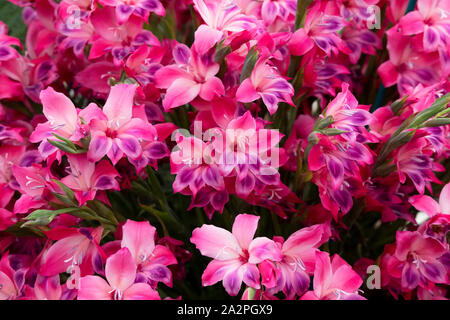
x,y
336,168
300,282
130,146
201,199
29,158
368,37
327,71
125,9
424,74
150,4
43,70
431,37
4,52
212,177
119,53
219,200
157,150
343,199
186,176
159,273
246,185
86,232
142,37
410,276
181,54
104,183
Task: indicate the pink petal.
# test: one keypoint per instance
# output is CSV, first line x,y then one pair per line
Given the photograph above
x,y
181,91
303,240
59,110
99,146
8,288
388,73
129,145
263,248
444,199
211,88
120,270
205,38
216,270
410,276
345,278
139,238
246,92
140,291
47,288
244,228
94,288
216,243
300,43
232,281
119,105
58,257
251,276
322,274
166,76
412,23
115,153
425,204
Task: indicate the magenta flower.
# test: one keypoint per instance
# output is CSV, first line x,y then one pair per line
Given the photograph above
x,y
416,261
86,178
298,262
321,31
115,132
223,18
151,260
408,67
192,75
265,83
432,20
118,39
120,273
334,280
125,8
235,254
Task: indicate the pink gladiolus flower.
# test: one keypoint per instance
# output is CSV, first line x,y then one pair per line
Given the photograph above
x,y
120,273
62,119
118,39
265,83
192,75
298,262
223,18
86,178
416,261
321,27
334,280
115,131
74,247
125,8
432,20
235,254
35,185
151,260
407,67
413,160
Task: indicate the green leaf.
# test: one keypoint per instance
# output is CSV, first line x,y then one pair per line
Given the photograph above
x,y
44,217
65,147
249,63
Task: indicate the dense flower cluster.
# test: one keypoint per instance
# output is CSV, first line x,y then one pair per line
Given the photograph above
x,y
260,117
